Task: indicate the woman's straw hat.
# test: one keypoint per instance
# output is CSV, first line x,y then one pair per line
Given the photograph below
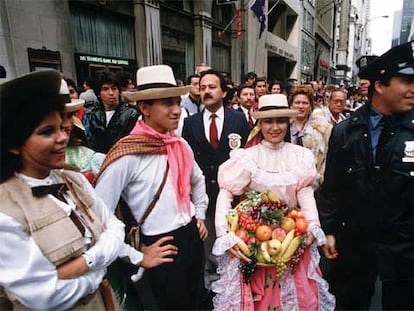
x,y
274,106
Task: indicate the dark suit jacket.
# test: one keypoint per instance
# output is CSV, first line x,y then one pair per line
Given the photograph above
x,y
207,158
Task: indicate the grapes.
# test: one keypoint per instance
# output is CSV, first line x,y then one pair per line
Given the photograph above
x,y
280,267
247,269
295,259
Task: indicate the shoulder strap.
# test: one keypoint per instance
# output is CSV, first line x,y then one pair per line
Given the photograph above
x,y
156,197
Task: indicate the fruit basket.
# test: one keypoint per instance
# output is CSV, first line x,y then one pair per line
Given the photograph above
x,y
268,233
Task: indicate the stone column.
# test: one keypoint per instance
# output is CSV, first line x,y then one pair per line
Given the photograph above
x,y
202,32
148,47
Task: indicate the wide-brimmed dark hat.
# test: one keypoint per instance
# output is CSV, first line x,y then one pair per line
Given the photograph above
x,y
397,61
155,82
22,97
363,62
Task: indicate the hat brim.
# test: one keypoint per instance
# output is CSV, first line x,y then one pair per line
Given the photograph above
x,y
156,93
74,105
275,113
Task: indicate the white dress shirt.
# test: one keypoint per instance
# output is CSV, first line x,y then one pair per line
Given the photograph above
x,y
29,276
137,178
219,122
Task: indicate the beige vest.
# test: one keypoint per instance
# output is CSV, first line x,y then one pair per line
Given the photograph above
x,y
53,231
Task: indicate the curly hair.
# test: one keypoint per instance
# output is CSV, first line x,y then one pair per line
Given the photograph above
x,y
301,90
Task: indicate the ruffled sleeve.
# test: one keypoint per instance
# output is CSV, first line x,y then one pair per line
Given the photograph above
x,y
307,173
234,176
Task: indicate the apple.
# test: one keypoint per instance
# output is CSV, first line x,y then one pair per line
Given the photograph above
x,y
278,234
287,224
89,175
251,241
242,234
274,246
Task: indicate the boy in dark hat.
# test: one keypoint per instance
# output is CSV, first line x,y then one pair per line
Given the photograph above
x,y
367,201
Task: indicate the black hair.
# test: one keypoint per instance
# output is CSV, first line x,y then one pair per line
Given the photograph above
x,y
250,74
245,86
18,124
275,82
71,83
123,78
189,78
223,84
261,79
102,77
229,96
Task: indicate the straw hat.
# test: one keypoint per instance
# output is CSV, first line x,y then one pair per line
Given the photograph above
x,y
274,106
70,104
155,82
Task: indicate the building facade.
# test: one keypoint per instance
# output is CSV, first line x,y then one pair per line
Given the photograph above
x,y
78,37
325,17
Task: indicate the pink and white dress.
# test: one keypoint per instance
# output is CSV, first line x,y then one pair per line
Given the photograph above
x,y
289,171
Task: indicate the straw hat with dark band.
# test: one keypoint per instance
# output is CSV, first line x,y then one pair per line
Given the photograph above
x,y
274,106
155,82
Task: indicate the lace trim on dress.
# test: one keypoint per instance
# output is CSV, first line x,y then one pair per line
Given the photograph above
x,y
326,300
288,295
317,233
228,286
223,243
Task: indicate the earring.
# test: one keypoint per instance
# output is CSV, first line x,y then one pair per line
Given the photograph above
x,y
14,151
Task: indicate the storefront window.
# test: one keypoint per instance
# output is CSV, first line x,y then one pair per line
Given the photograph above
x,y
102,34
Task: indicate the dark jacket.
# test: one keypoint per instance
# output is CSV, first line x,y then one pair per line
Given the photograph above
x,y
394,200
346,192
207,158
101,137
371,201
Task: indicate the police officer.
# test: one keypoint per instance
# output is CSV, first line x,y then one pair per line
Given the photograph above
x,y
367,199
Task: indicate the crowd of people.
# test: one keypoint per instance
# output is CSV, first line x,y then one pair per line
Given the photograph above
x,y
116,197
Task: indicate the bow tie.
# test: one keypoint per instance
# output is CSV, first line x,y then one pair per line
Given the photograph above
x,y
56,190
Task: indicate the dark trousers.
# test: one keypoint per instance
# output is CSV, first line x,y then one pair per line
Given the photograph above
x,y
175,285
398,295
352,275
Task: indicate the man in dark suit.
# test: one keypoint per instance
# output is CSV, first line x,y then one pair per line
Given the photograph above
x,y
246,95
212,134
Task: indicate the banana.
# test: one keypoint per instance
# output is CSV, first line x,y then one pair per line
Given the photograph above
x,y
244,257
232,220
286,241
266,255
293,246
264,196
243,246
272,196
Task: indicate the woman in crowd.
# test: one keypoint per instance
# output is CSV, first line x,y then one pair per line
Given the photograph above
x,y
57,236
309,129
270,163
275,87
78,156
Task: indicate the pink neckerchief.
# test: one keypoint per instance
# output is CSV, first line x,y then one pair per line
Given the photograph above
x,y
179,159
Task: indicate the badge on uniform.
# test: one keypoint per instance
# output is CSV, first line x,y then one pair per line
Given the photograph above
x,y
409,151
234,141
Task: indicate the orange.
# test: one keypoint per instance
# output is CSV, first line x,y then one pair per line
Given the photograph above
x,y
302,225
263,233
